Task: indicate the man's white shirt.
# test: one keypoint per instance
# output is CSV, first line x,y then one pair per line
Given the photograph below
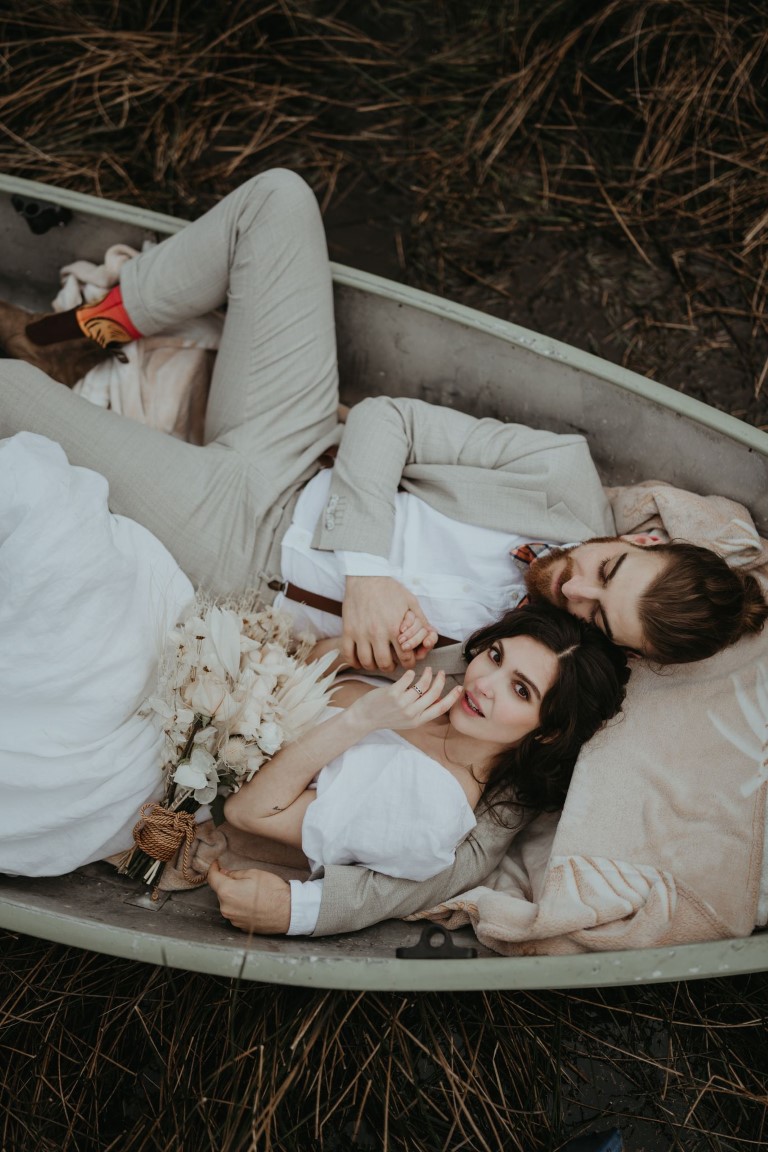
x,y
462,575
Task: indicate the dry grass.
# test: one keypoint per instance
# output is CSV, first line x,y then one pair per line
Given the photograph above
x,y
620,148
472,123
107,1055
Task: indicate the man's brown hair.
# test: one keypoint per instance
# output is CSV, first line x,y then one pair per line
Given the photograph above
x,y
697,605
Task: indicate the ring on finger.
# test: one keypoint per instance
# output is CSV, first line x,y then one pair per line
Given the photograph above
x,y
416,689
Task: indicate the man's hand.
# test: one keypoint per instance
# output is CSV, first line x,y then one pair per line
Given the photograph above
x,y
373,613
252,900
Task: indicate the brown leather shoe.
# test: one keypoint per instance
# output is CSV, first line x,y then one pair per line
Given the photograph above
x,y
66,362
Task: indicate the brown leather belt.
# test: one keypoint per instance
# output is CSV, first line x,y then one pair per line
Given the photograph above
x,y
326,604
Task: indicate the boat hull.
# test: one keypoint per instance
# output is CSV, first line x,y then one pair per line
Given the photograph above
x,y
397,341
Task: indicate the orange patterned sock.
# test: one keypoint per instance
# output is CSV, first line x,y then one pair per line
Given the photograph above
x,y
106,323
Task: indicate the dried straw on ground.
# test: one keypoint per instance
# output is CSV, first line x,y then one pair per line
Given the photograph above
x,y
598,170
631,134
111,1056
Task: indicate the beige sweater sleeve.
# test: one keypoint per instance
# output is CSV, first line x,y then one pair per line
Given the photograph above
x,y
504,476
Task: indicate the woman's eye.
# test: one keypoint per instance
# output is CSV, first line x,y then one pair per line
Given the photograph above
x,y
522,691
495,655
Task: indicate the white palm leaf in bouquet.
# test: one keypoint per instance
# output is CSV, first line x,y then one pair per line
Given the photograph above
x,y
303,697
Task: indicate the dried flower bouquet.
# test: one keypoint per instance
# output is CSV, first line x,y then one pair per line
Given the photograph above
x,y
234,686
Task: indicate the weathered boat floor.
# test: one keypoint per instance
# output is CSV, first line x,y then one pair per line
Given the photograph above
x,y
90,909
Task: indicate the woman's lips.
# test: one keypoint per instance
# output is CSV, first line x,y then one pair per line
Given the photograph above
x,y
470,705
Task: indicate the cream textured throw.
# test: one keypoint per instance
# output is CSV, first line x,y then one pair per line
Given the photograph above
x,y
661,840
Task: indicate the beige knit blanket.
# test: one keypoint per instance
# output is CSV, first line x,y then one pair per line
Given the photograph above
x,y
661,840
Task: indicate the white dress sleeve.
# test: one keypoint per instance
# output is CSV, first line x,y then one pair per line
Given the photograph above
x,y
388,806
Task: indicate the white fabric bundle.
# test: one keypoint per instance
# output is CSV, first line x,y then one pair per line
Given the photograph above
x,y
86,599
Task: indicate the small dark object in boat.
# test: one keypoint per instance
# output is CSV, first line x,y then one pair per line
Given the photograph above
x,y
41,216
435,943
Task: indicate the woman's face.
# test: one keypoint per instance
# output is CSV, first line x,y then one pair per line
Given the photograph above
x,y
503,690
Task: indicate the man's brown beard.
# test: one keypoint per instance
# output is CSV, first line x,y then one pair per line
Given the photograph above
x,y
538,578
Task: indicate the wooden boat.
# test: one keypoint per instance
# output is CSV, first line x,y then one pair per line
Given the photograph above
x,y
399,341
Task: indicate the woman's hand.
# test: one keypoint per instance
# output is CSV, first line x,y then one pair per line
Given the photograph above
x,y
408,703
415,637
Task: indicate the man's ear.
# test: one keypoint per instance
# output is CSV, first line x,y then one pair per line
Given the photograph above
x,y
642,539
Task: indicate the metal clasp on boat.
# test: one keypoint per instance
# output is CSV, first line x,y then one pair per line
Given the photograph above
x,y
435,943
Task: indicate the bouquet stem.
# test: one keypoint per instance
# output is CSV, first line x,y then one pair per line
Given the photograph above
x,y
141,863
159,837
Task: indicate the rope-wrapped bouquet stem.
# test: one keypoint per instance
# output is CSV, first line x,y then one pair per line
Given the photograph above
x,y
234,686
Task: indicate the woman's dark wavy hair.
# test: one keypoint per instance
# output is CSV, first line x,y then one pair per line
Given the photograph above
x,y
588,691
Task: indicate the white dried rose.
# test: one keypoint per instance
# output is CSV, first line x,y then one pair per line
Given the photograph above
x,y
209,695
199,773
276,659
253,714
269,737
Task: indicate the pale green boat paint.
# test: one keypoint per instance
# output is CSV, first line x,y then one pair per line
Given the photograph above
x,y
398,341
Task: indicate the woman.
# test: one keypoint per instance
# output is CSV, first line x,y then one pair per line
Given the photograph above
x,y
401,768
86,600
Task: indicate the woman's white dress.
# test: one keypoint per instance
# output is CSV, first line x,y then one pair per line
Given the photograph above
x,y
86,599
388,806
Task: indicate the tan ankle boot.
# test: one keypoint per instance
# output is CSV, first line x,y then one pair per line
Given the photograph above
x,y
66,362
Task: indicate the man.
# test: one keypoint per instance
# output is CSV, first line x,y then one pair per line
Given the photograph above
x,y
249,508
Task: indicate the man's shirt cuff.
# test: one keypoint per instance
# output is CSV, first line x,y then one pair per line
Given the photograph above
x,y
305,906
363,564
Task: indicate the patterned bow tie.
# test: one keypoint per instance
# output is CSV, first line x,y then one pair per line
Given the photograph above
x,y
525,554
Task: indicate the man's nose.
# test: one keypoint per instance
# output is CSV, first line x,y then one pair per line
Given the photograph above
x,y
579,588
